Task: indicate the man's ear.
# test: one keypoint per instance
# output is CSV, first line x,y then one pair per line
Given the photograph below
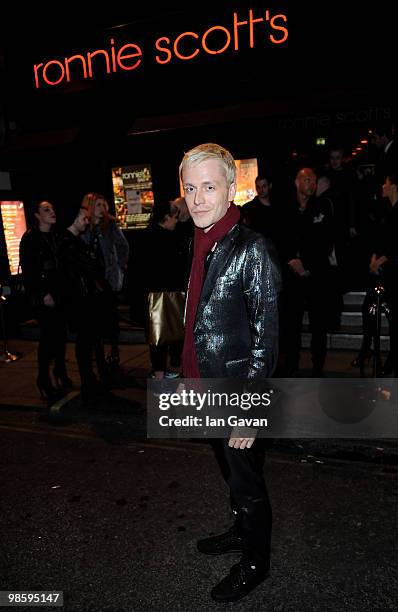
x,y
37,216
231,192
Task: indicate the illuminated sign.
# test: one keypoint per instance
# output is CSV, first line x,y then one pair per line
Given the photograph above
x,y
270,28
14,224
133,195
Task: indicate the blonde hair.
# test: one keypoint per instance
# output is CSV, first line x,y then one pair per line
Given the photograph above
x,y
88,202
211,151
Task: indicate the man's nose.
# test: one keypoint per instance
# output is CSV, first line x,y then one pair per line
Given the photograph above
x,y
198,197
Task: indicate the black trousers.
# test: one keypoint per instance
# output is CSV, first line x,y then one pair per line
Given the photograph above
x,y
393,301
86,318
160,353
52,324
242,470
315,294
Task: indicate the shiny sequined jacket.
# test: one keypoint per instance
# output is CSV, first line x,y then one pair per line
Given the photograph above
x,y
236,326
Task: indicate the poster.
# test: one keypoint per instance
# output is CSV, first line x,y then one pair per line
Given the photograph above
x,y
133,195
246,178
14,224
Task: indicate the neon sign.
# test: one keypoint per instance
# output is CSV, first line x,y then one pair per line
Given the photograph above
x,y
216,40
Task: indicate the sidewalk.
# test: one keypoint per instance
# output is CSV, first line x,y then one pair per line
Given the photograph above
x,y
18,379
18,391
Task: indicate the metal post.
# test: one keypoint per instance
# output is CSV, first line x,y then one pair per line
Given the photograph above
x,y
376,354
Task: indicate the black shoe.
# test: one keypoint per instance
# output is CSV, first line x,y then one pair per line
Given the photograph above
x,y
361,358
62,379
387,368
47,390
228,542
242,578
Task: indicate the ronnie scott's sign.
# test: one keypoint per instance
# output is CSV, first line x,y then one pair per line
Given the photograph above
x,y
254,28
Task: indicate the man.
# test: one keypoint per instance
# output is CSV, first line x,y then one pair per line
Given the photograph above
x,y
342,183
260,213
231,331
383,137
306,246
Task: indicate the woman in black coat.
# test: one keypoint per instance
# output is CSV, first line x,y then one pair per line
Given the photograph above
x,y
40,269
83,289
164,270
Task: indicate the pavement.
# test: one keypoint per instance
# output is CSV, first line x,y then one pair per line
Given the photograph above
x,y
124,412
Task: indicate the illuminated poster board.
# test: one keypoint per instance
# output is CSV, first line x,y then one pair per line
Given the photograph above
x,y
133,195
14,224
246,178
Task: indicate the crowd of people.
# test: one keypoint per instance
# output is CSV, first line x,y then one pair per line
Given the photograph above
x,y
72,277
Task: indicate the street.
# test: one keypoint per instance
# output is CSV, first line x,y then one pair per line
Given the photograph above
x,y
112,522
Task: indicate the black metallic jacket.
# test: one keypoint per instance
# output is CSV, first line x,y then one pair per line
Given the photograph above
x,y
236,327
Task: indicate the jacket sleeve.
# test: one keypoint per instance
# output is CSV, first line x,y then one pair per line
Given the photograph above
x,y
121,245
29,257
261,284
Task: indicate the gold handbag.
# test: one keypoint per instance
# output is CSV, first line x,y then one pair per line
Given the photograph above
x,y
166,317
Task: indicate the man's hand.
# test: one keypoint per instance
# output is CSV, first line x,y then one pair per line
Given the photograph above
x,y
376,262
240,442
297,267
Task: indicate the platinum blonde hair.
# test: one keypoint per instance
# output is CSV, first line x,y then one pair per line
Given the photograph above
x,y
210,151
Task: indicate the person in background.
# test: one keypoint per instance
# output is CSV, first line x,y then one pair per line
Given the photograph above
x,y
385,261
165,267
231,331
259,213
383,137
82,287
40,269
110,251
343,183
185,227
306,247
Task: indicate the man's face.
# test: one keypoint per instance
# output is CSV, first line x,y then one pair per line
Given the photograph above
x,y
387,188
207,193
306,182
81,220
336,159
262,188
